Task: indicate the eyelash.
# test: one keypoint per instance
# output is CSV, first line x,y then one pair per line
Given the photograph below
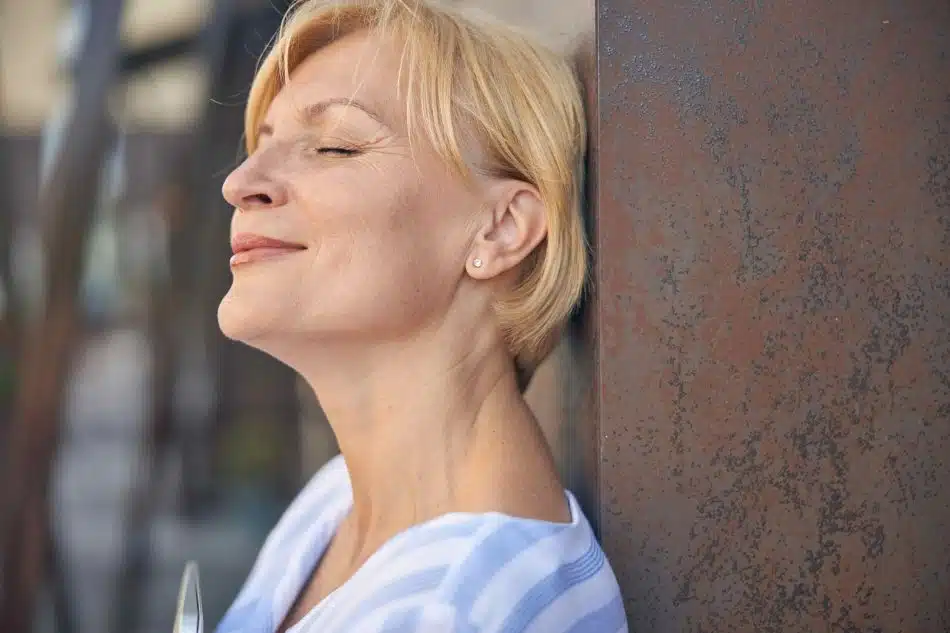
x,y
341,151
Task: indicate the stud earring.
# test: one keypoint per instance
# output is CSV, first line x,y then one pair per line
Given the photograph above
x,y
477,263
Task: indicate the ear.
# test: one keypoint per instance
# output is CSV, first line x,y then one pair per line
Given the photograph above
x,y
512,226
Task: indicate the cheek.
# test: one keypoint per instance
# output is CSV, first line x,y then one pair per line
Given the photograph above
x,y
379,245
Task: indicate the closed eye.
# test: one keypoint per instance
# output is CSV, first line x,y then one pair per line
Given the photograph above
x,y
337,151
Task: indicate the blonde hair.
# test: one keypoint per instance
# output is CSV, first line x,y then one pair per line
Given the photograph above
x,y
469,77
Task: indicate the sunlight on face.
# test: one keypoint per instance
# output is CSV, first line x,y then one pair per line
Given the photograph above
x,y
372,235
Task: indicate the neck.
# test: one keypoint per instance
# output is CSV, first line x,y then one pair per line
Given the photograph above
x,y
426,427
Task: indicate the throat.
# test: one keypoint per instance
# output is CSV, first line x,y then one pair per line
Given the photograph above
x,y
502,465
407,473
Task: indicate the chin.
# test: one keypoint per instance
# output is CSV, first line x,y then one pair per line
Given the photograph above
x,y
239,321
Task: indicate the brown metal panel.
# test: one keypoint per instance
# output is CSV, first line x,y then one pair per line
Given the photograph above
x,y
774,313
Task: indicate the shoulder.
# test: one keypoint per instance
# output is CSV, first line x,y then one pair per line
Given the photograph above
x,y
491,573
443,617
530,576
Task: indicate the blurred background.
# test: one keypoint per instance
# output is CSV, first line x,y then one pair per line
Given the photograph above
x,y
133,436
755,408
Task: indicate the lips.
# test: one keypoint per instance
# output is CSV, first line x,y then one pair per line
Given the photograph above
x,y
249,247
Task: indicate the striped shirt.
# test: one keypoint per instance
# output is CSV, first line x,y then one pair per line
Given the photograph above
x,y
458,573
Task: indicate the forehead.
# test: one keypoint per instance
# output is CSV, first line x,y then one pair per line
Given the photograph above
x,y
360,66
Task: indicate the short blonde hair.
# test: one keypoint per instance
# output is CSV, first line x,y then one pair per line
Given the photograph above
x,y
469,77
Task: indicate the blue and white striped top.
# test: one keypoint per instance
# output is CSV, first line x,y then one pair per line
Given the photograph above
x,y
458,573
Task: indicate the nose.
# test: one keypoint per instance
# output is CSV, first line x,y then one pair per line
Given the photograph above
x,y
248,188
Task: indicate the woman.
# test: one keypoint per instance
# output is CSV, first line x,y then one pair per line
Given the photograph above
x,y
407,237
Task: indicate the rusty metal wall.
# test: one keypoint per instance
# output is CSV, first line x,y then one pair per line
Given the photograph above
x,y
773,313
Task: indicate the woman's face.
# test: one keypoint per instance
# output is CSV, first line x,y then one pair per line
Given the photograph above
x,y
380,232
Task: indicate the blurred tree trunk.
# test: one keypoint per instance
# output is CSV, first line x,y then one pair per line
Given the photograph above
x,y
9,315
66,205
167,320
204,248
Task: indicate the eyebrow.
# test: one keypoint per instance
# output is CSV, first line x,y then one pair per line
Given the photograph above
x,y
312,113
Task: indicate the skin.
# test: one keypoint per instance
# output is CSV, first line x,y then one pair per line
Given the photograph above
x,y
384,313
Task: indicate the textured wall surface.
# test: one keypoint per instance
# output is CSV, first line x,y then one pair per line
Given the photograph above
x,y
773,310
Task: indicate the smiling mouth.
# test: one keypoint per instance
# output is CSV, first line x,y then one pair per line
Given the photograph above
x,y
249,248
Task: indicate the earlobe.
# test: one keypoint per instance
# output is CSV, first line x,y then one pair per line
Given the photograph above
x,y
477,268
